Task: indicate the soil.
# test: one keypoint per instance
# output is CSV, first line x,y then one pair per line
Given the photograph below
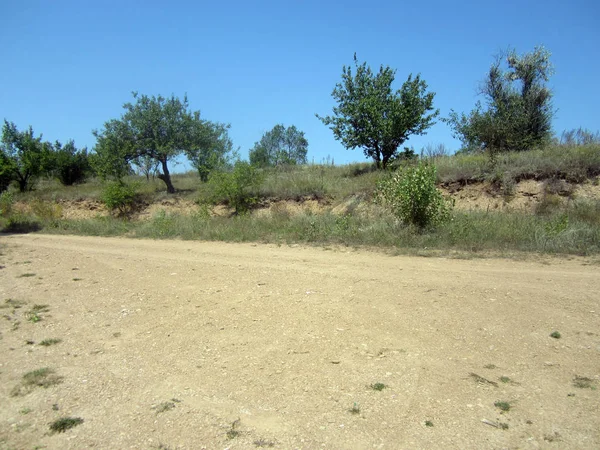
x,y
191,345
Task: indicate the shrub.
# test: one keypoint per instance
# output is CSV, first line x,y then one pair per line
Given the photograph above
x,y
412,196
6,203
238,187
119,197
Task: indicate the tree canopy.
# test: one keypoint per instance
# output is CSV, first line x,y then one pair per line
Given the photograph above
x,y
519,106
280,146
156,129
23,156
371,116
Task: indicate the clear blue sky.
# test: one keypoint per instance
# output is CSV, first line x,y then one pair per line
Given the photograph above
x,y
68,66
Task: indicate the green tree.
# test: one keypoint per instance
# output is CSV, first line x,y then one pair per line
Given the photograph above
x,y
157,128
280,146
519,106
213,149
24,157
69,164
371,116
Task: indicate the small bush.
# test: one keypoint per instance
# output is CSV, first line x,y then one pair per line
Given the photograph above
x,y
119,197
239,187
412,196
64,424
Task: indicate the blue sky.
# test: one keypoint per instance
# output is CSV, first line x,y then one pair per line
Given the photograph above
x,y
68,66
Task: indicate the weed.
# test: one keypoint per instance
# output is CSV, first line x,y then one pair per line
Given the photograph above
x,y
489,366
34,315
355,409
64,424
26,275
44,377
555,335
378,386
232,433
502,406
163,407
49,342
583,382
428,423
25,411
264,443
503,426
505,379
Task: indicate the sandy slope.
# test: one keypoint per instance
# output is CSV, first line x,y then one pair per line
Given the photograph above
x,y
282,342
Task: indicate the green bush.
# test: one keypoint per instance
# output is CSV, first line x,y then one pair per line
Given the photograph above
x,y
119,197
239,187
6,203
412,196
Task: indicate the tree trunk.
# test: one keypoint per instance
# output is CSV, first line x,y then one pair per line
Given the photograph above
x,y
166,176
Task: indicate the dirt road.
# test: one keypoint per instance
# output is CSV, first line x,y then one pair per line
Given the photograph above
x,y
173,344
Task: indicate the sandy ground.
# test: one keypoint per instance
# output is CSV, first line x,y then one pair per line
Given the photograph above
x,y
173,344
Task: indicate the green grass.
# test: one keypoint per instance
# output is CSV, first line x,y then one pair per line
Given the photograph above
x,y
64,424
502,406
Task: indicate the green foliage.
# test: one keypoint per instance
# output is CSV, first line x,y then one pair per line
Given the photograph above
x,y
69,164
23,157
371,116
412,196
64,424
280,146
119,197
157,129
6,203
519,110
239,186
213,149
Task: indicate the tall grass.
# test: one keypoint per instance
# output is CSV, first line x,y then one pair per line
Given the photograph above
x,y
573,230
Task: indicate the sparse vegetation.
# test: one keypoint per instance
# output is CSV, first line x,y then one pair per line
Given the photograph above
x,y
502,406
44,377
64,424
163,407
583,383
49,342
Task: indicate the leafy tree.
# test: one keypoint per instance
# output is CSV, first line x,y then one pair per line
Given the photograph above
x,y
24,157
213,149
158,128
69,164
280,146
370,115
519,109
